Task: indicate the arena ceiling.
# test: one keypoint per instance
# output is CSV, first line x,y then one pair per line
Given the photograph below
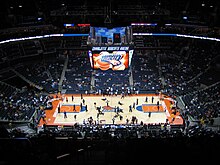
x,y
114,12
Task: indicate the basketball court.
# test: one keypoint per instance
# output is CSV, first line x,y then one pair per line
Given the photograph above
x,y
98,109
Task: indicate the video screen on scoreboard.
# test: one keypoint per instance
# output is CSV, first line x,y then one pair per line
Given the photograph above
x,y
116,60
114,57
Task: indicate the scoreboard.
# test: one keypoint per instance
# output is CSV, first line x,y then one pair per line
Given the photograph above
x,y
110,57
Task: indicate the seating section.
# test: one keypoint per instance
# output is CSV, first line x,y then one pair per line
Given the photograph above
x,y
203,104
145,72
20,106
111,82
78,73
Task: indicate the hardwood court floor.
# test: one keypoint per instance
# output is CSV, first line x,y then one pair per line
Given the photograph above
x,y
77,112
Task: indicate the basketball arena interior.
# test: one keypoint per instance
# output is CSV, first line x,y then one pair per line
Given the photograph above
x,y
109,82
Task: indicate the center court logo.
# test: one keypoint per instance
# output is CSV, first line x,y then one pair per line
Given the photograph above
x,y
108,109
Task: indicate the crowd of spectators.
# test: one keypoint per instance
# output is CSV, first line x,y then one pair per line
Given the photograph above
x,y
21,106
108,144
